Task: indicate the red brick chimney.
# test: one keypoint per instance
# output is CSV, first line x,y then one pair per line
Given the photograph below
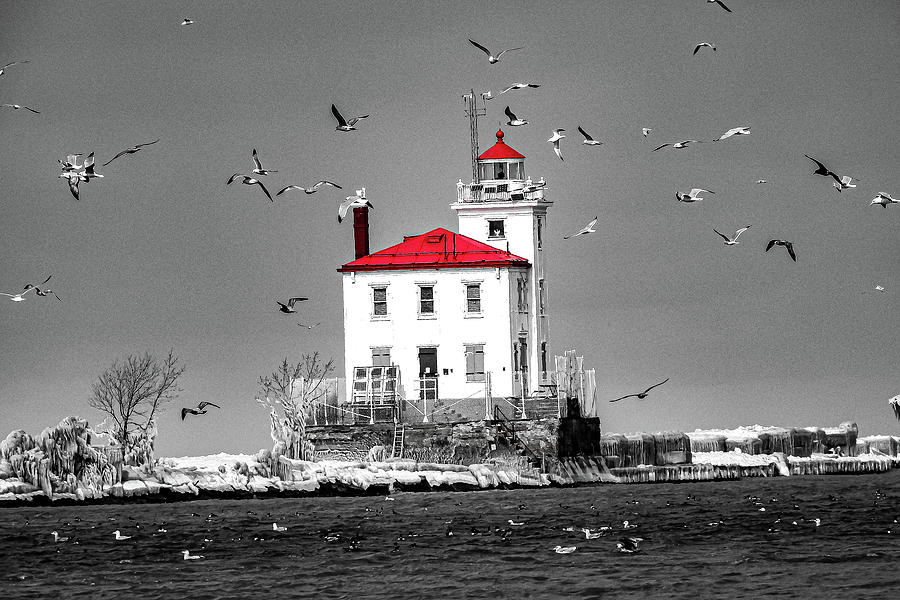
x,y
361,230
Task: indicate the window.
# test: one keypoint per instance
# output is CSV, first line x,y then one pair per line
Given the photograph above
x,y
541,296
522,288
495,228
474,362
540,241
381,357
426,300
544,357
473,298
379,301
499,172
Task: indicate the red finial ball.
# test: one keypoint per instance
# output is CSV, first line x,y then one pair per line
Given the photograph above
x,y
499,135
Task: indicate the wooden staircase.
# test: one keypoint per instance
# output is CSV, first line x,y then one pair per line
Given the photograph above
x,y
397,447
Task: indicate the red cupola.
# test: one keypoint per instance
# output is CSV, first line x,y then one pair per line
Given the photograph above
x,y
500,162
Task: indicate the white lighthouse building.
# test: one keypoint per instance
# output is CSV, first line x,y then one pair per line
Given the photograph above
x,y
450,321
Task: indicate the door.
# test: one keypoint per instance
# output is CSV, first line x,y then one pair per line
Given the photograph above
x,y
428,371
523,364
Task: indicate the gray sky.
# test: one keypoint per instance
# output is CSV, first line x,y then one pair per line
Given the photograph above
x,y
160,253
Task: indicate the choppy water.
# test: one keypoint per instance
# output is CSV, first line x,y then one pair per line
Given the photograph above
x,y
701,540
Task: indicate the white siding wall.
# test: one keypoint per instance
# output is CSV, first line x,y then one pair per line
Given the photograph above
x,y
404,330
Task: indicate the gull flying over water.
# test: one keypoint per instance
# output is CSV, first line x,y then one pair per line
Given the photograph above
x,y
200,410
719,2
310,190
258,169
131,150
554,139
345,124
731,241
289,307
733,131
357,201
883,199
681,144
247,180
786,244
589,228
588,140
514,121
19,106
519,86
15,62
703,45
692,196
642,395
823,170
491,58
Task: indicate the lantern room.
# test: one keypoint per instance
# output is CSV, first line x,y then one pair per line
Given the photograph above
x,y
500,163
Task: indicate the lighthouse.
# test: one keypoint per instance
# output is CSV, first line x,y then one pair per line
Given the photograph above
x,y
506,209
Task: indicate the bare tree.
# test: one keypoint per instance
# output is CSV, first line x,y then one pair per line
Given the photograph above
x,y
291,390
131,393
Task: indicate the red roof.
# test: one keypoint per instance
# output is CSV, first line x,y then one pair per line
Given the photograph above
x,y
499,150
437,249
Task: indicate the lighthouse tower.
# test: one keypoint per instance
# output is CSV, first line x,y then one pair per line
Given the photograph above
x,y
506,209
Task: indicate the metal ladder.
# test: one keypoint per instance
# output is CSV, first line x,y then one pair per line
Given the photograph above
x,y
397,449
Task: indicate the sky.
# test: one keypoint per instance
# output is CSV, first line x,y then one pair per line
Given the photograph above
x,y
161,254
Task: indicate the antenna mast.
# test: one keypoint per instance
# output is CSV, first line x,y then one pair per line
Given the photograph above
x,y
473,112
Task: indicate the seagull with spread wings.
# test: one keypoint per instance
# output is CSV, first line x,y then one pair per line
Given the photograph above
x,y
345,124
589,228
823,170
844,183
514,121
554,139
289,307
703,45
310,190
519,86
733,131
491,58
642,395
357,201
200,410
720,3
131,150
786,244
21,295
19,106
732,241
883,199
692,196
679,145
588,140
258,168
247,180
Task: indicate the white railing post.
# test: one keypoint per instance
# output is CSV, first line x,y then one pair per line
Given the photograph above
x,y
423,392
487,396
522,391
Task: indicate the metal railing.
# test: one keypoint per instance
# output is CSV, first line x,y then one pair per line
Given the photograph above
x,y
514,190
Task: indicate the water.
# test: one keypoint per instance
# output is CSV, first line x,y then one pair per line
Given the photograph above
x,y
701,540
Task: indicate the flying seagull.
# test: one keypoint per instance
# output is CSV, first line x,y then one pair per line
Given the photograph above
x,y
200,410
554,139
823,170
642,395
45,292
20,296
487,95
681,144
88,169
588,140
733,131
786,244
345,124
514,121
702,45
289,307
883,199
732,241
30,286
629,545
844,183
309,326
761,181
73,179
16,62
18,106
357,201
71,163
589,228
879,288
247,180
258,170
187,22
645,131
519,86
491,58
719,2
692,196
310,190
131,150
